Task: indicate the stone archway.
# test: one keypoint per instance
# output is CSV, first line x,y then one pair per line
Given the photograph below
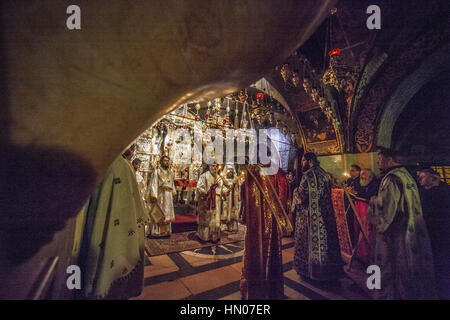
x,y
72,100
432,67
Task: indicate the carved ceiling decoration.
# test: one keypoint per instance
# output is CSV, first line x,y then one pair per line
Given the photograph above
x,y
347,72
389,75
318,81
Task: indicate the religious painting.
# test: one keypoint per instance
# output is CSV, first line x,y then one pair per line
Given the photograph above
x,y
317,127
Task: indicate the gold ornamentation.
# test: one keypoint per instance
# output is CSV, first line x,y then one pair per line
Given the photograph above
x,y
285,72
295,79
330,76
256,195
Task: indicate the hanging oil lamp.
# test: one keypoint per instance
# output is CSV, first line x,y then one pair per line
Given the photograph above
x,y
208,111
295,79
197,115
285,72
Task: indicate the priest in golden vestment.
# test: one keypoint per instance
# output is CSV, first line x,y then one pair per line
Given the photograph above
x,y
160,193
208,204
231,197
266,219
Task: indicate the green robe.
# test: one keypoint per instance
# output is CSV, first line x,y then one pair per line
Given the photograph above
x,y
402,247
114,237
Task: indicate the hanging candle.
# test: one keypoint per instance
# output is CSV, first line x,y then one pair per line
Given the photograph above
x,y
334,52
285,72
295,79
322,102
208,112
197,115
185,112
315,95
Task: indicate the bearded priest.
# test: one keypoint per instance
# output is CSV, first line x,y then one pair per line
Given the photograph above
x,y
208,204
231,197
160,194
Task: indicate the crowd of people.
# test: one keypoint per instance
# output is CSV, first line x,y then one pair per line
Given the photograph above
x,y
408,217
217,199
407,214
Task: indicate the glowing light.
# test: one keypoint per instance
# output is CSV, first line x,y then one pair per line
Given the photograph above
x,y
334,52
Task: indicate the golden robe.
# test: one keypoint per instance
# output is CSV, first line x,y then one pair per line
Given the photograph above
x,y
230,209
162,188
208,207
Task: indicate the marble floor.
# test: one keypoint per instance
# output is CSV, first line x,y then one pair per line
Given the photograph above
x,y
213,273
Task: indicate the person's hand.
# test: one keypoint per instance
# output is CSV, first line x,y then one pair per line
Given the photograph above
x,y
350,190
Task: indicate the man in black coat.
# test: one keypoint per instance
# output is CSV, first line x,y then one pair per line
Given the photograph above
x,y
435,199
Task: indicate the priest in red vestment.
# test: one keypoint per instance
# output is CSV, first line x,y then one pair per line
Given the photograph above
x,y
265,216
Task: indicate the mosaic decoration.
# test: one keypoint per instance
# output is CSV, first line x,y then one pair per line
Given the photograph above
x,y
376,96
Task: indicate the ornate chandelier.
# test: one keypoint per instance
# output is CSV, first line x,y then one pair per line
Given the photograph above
x,y
330,76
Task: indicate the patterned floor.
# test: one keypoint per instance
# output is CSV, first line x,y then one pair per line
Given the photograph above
x,y
185,241
213,273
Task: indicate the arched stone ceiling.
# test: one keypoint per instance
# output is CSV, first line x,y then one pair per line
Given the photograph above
x,y
410,32
72,100
266,86
413,32
347,31
422,129
431,68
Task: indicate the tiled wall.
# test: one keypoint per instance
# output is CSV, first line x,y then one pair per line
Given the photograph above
x,y
337,165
